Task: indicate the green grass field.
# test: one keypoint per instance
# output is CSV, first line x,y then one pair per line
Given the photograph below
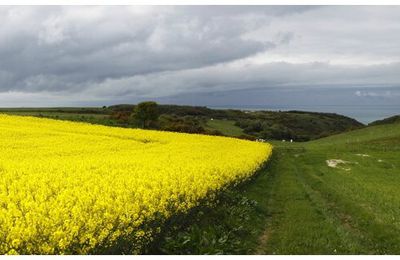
x,y
227,127
300,205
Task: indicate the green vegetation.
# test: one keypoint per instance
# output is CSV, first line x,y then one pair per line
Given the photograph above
x,y
269,125
296,125
184,124
226,127
92,115
146,113
389,120
300,205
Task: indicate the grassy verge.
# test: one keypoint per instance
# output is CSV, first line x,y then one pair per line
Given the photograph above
x,y
300,205
232,225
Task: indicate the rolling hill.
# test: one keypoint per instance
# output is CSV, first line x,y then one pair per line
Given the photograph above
x,y
268,125
389,120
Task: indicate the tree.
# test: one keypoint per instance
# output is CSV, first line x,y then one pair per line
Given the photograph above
x,y
146,112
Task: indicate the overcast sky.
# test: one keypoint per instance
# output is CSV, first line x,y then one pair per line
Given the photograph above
x,y
225,55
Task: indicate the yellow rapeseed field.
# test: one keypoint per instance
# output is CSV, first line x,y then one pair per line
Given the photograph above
x,y
70,187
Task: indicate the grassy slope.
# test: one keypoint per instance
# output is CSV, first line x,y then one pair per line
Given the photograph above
x,y
389,120
227,127
339,211
299,205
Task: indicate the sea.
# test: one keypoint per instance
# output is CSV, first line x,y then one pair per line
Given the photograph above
x,y
362,113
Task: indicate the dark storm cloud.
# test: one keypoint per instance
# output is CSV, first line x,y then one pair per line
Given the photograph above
x,y
84,55
77,46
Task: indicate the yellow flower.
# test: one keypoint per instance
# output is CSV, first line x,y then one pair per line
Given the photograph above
x,y
71,187
12,252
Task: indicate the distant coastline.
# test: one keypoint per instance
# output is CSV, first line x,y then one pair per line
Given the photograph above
x,y
363,113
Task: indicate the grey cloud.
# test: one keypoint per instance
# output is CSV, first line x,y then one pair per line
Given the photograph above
x,y
272,75
102,53
71,48
240,10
